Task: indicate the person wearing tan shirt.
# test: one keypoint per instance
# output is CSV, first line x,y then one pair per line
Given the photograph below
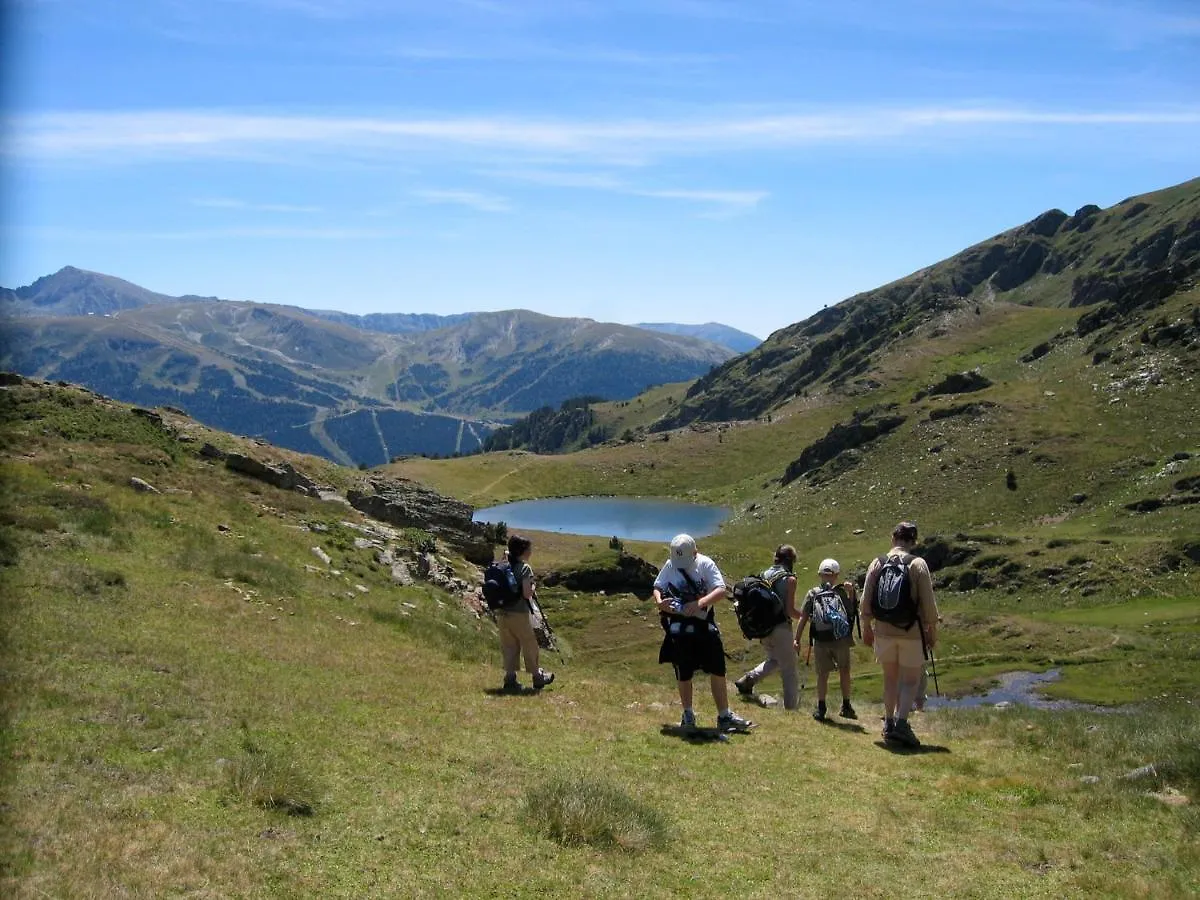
x,y
901,637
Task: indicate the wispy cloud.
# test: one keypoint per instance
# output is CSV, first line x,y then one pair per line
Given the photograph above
x,y
729,200
332,233
472,199
231,203
180,134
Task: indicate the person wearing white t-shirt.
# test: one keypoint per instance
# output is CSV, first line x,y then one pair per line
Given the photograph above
x,y
687,587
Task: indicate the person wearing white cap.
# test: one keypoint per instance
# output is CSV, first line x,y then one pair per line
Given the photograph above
x,y
832,609
687,587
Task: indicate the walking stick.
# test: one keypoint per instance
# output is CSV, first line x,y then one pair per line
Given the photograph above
x,y
928,654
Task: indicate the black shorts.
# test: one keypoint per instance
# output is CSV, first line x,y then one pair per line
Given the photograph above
x,y
700,651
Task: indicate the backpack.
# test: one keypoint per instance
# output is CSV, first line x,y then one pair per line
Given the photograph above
x,y
894,602
830,621
759,609
500,588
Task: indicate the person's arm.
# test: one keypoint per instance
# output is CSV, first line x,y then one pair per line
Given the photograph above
x,y
925,602
527,589
789,602
868,597
805,612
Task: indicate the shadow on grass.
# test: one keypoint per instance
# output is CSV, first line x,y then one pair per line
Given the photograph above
x,y
698,735
902,750
522,691
853,727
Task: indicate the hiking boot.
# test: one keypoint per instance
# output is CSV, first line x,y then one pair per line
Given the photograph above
x,y
744,686
889,725
731,721
902,733
542,678
688,722
847,711
511,685
820,712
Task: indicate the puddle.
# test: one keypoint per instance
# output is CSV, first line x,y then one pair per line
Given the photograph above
x,y
1015,688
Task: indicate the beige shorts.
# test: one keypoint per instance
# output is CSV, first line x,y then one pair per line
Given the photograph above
x,y
830,655
903,651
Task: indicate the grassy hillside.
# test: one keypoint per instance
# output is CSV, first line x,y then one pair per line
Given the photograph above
x,y
196,705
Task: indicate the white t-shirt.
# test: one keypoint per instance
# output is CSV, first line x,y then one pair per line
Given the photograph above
x,y
704,574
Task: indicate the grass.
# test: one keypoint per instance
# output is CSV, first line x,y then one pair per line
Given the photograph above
x,y
172,691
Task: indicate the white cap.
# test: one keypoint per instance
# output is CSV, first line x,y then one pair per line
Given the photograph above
x,y
828,566
683,550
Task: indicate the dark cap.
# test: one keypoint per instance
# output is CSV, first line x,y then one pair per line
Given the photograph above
x,y
905,531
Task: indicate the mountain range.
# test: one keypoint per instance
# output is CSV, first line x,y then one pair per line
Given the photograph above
x,y
357,389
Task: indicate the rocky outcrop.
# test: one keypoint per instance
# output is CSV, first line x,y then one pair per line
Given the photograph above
x,y
408,504
631,573
865,427
283,476
958,383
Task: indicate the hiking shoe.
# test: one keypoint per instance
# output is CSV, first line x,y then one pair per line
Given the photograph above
x,y
542,678
744,686
889,725
688,721
511,685
731,721
847,711
902,733
819,712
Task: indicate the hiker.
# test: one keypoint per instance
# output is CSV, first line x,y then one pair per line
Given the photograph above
x,y
779,645
900,620
830,610
517,638
687,587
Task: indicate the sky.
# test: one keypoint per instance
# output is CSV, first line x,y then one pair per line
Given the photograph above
x,y
737,161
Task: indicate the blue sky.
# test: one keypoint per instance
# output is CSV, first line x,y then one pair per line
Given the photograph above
x,y
624,160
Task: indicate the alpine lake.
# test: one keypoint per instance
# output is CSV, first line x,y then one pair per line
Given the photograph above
x,y
629,518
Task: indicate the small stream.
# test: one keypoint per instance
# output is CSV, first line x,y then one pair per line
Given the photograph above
x,y
1015,688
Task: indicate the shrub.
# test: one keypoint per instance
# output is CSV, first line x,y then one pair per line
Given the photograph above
x,y
573,810
269,779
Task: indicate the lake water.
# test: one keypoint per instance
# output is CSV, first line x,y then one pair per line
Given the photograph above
x,y
1015,688
629,518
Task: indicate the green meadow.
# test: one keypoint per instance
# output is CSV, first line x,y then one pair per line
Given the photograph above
x,y
196,706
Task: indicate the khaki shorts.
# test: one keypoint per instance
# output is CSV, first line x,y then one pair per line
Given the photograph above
x,y
903,651
830,655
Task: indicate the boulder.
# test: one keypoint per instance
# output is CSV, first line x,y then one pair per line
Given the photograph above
x,y
409,504
283,476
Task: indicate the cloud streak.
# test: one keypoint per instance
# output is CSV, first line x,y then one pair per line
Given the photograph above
x,y
472,199
182,134
231,203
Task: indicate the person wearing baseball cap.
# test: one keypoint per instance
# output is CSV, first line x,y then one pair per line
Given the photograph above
x,y
830,610
900,619
687,587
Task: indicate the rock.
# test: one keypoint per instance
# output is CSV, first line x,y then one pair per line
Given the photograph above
x,y
407,504
1078,498
1170,797
144,487
1090,779
363,543
10,379
957,383
283,476
1147,771
322,555
222,527
210,451
766,700
1003,704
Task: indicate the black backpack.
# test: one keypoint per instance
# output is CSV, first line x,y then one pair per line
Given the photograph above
x,y
759,609
500,588
894,602
830,621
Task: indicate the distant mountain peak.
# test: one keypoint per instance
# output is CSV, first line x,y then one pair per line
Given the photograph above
x,y
714,332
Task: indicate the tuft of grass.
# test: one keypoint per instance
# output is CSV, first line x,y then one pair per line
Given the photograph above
x,y
574,810
270,779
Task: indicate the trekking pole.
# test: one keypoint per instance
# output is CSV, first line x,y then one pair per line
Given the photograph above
x,y
551,638
928,654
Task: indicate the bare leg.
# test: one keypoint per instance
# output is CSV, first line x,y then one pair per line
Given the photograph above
x,y
822,685
685,693
720,692
844,677
910,680
891,688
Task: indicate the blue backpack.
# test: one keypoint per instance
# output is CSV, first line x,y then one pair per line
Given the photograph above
x,y
500,588
830,621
